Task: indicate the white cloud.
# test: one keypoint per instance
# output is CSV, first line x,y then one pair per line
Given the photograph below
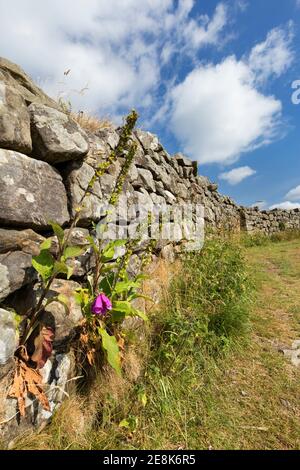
x,y
112,48
208,31
288,205
237,175
274,55
218,111
294,194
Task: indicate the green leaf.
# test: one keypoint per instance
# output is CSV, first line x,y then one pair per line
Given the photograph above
x,y
60,267
125,286
106,283
109,251
110,345
46,245
59,232
124,424
140,314
143,398
122,306
70,271
43,264
92,243
117,317
73,251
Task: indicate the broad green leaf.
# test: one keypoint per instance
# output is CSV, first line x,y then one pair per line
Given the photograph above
x,y
109,251
117,316
43,264
122,306
46,244
125,286
106,283
59,232
110,345
73,251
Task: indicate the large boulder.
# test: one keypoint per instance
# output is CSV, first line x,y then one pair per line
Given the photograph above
x,y
15,77
14,120
32,192
55,136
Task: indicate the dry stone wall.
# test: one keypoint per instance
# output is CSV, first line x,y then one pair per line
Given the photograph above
x,y
46,163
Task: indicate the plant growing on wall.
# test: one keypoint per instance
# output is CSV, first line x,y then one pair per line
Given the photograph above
x,y
106,299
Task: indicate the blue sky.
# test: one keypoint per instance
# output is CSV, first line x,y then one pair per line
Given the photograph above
x,y
213,79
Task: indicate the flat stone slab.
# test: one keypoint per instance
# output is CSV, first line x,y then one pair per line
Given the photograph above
x,y
56,137
32,192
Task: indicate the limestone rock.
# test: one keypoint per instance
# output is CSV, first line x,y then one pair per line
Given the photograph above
x,y
14,120
148,141
32,192
146,179
8,336
15,271
182,160
55,136
14,76
15,240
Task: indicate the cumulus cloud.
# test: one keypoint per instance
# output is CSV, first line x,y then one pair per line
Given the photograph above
x,y
288,205
237,175
218,111
294,194
112,48
205,30
274,55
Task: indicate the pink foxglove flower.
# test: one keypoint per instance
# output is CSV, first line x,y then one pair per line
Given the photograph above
x,y
101,305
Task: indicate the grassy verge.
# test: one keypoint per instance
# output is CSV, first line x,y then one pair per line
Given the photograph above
x,y
213,376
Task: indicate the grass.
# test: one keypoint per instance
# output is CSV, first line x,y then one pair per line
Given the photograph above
x,y
212,380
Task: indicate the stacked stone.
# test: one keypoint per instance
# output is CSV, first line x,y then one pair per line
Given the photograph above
x,y
269,222
46,163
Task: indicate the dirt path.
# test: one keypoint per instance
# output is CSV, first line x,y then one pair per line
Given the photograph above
x,y
258,401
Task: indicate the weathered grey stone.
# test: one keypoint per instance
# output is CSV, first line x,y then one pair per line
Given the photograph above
x,y
212,187
8,336
55,136
32,192
15,271
170,198
14,120
15,240
14,76
182,160
65,320
148,141
146,179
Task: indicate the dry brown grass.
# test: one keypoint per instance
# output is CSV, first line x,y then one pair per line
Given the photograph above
x,y
92,123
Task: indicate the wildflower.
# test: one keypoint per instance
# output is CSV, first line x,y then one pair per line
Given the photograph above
x,y
101,304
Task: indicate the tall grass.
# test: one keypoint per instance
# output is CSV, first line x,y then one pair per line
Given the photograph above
x,y
203,313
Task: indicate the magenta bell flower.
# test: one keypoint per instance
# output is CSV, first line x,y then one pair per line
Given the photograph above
x,y
101,304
